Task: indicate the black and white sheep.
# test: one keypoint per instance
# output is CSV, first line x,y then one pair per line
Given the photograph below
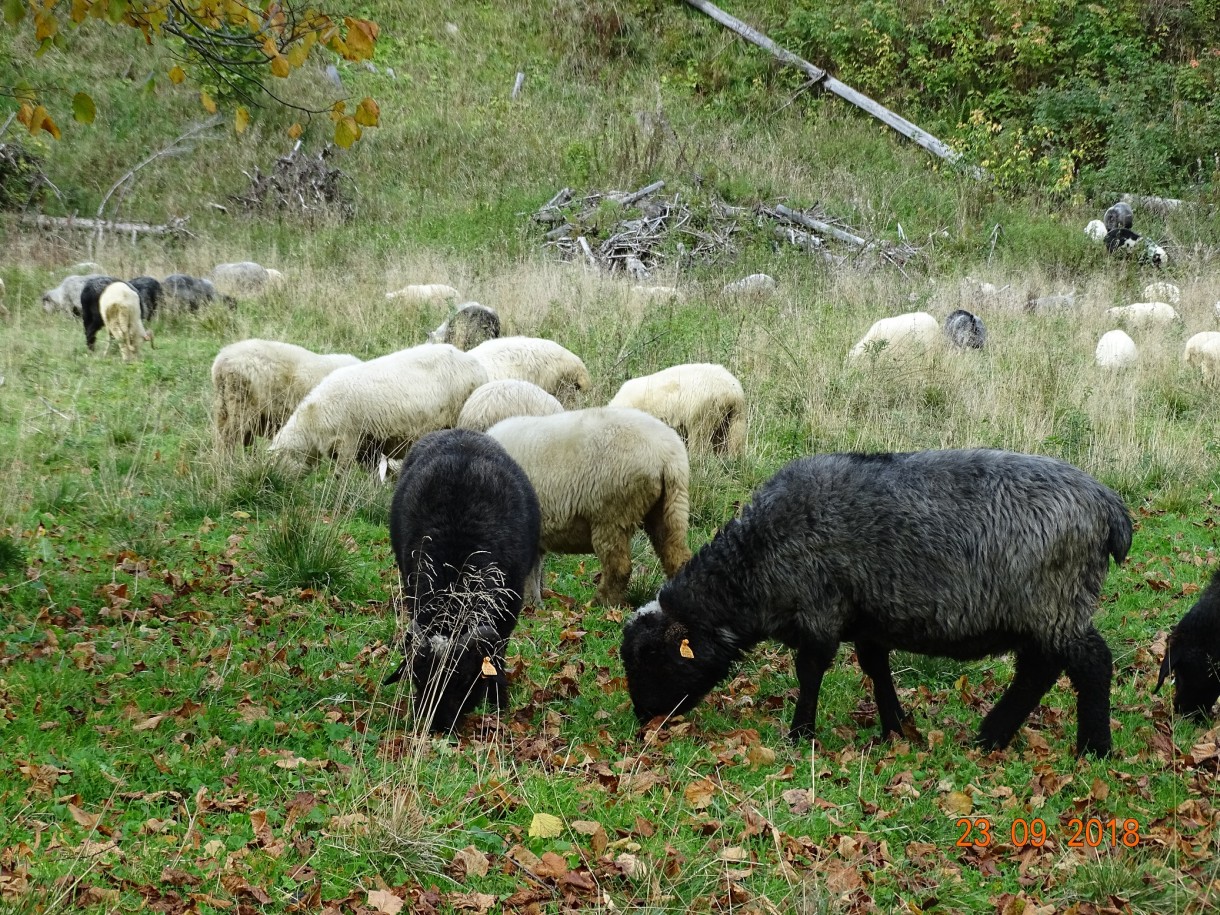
x,y
965,330
1125,241
1192,655
192,292
464,527
962,554
467,327
90,306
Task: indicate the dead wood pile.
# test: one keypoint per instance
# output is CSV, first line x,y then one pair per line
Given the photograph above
x,y
300,184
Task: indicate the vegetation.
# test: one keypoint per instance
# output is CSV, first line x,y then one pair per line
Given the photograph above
x,y
192,645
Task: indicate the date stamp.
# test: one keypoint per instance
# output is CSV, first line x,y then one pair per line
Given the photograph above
x,y
1089,832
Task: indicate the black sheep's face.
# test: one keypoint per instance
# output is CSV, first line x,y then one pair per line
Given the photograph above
x,y
1196,684
451,675
664,676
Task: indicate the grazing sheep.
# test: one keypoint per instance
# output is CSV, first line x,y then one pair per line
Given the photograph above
x,y
1115,350
1203,352
600,474
66,296
192,292
1049,302
962,554
243,278
1118,216
901,334
965,330
1162,292
1192,655
90,306
499,400
1096,230
656,293
1124,241
149,290
467,327
425,292
258,383
120,309
1144,314
556,370
380,406
703,402
464,527
756,284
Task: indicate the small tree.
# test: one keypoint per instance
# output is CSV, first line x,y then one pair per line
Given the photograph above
x,y
242,46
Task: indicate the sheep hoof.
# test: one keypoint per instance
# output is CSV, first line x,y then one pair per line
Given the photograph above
x,y
800,733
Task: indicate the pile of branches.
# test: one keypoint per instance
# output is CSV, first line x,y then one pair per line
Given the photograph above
x,y
22,180
299,184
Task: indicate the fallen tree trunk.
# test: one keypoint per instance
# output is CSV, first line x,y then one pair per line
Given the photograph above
x,y
173,227
817,225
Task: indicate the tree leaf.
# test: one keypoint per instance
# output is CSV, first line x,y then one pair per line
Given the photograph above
x,y
280,66
45,25
82,108
14,11
241,120
699,794
361,38
296,130
206,101
385,901
347,132
176,74
545,826
368,112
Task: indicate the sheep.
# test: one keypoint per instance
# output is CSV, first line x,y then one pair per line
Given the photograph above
x,y
964,554
499,400
243,278
1144,314
703,402
1203,352
467,327
425,292
149,290
1162,292
756,284
601,473
66,296
556,370
1118,216
1049,302
258,383
90,306
965,330
1096,230
1124,241
464,527
1115,350
1192,655
916,330
656,293
120,309
192,292
383,405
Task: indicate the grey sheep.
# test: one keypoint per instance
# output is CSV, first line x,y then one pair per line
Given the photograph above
x,y
192,292
963,554
467,327
1192,655
965,330
1118,216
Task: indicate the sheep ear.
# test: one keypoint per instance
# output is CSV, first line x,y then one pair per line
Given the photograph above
x,y
1167,666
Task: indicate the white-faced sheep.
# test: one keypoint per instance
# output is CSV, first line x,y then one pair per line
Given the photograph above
x,y
914,332
499,400
467,327
601,474
192,292
464,527
1144,314
1162,292
1202,351
378,407
556,370
258,383
1192,655
756,284
244,278
965,330
66,296
703,402
1096,230
120,310
425,292
961,554
1115,350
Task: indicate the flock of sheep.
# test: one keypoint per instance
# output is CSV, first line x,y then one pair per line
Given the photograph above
x,y
959,553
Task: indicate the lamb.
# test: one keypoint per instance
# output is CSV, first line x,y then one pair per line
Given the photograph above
x,y
91,308
963,554
1115,350
149,290
556,370
499,400
965,330
464,527
1162,292
1144,314
703,402
467,327
244,278
380,406
66,296
1203,352
900,334
756,284
600,474
425,292
1192,655
120,309
1096,230
192,292
258,383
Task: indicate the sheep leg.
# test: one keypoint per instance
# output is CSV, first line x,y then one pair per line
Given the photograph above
x,y
875,662
1089,667
812,661
1037,671
613,548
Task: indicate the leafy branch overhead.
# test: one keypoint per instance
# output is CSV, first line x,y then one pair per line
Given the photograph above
x,y
234,48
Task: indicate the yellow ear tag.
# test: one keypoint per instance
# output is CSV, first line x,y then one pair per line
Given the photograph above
x,y
685,650
489,669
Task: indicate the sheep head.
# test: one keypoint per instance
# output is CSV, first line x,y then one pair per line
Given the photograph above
x,y
451,674
1196,677
669,668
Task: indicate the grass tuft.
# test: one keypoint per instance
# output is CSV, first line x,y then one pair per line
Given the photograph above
x,y
298,550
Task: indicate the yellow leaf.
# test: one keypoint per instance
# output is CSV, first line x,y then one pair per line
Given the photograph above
x,y
45,25
957,803
176,74
685,650
295,131
297,54
545,826
368,113
206,101
279,66
82,108
43,120
25,114
361,37
337,110
80,9
347,132
240,120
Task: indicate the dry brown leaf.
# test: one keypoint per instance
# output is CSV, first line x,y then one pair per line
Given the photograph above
x,y
957,803
148,723
88,820
385,901
699,794
760,756
552,865
473,863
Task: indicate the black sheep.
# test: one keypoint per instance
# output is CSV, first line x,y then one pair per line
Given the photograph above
x,y
193,291
149,290
90,306
965,330
1192,655
464,527
961,554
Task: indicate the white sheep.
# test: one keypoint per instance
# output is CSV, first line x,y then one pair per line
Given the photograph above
x,y
1144,314
600,475
756,284
901,334
499,400
1162,292
703,402
656,293
1096,230
556,370
66,296
380,406
258,383
120,309
425,292
1116,350
244,278
1203,352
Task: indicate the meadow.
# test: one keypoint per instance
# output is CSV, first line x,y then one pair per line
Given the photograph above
x,y
192,645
